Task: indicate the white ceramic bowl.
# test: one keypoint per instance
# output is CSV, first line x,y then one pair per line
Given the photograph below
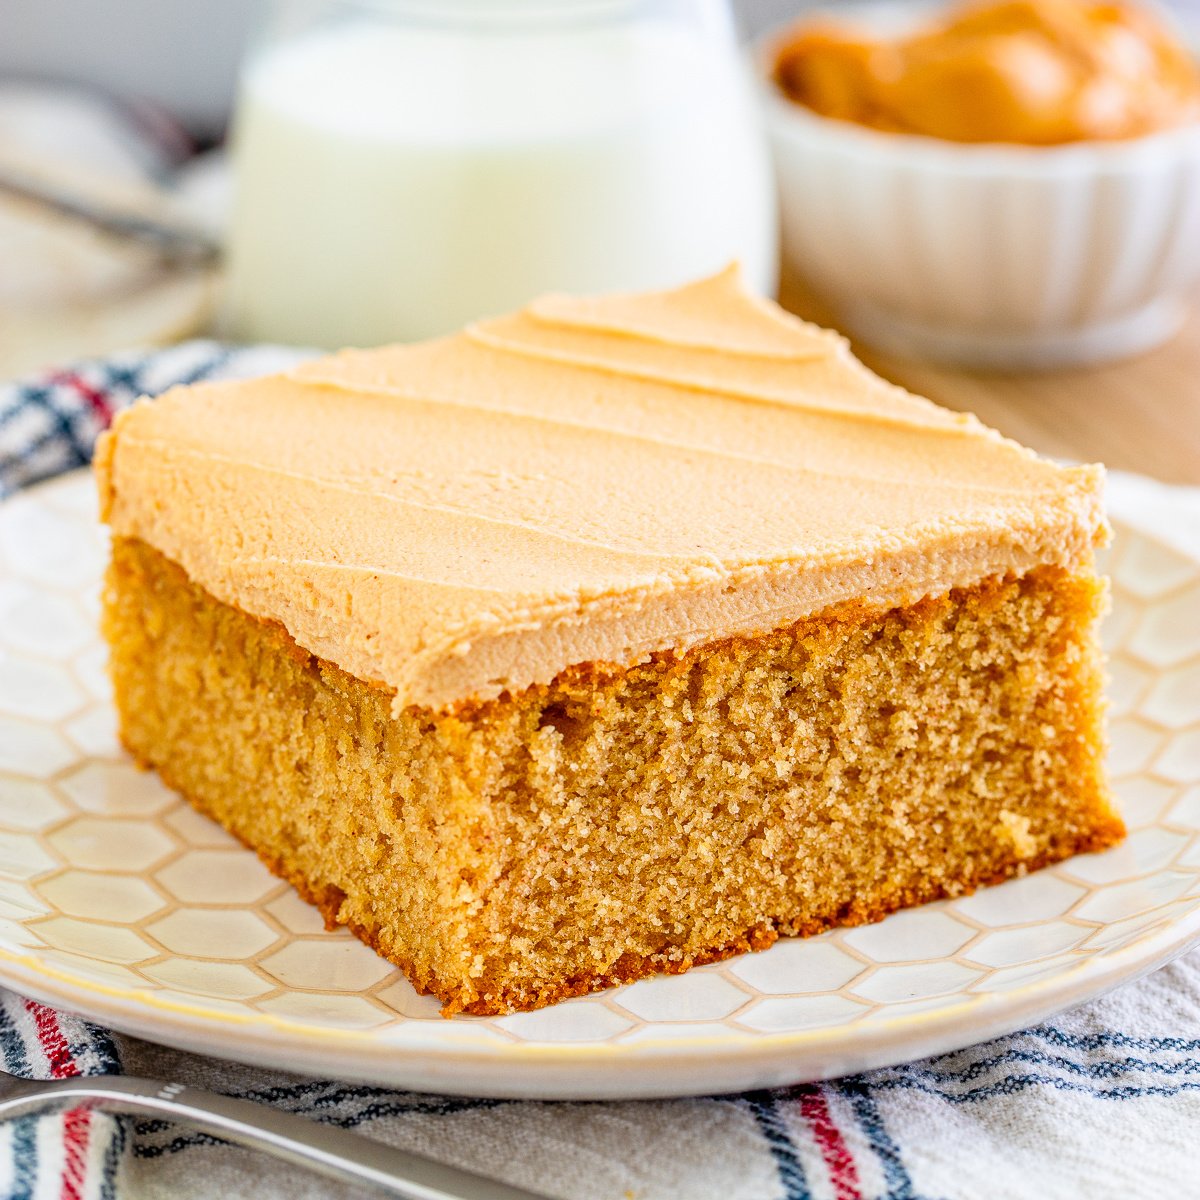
x,y
988,255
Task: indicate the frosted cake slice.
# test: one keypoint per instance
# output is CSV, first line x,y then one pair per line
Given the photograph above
x,y
611,637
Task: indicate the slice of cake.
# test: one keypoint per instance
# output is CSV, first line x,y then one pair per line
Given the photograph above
x,y
611,637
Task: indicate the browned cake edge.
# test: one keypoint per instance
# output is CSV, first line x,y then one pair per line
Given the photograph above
x,y
1099,826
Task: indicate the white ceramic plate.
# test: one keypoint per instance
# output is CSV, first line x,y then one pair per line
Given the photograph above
x,y
121,903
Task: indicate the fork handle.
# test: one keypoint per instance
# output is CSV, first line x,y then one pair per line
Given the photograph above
x,y
327,1149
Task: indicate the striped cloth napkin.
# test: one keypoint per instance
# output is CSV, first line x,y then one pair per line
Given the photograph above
x,y
1102,1102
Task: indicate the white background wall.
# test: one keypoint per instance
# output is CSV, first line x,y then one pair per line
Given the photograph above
x,y
184,53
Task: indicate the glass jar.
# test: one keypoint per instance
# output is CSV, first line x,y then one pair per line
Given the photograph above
x,y
403,167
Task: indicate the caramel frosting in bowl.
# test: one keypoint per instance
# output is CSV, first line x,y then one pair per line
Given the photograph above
x,y
1030,72
588,480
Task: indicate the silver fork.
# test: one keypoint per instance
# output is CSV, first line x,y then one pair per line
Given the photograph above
x,y
327,1149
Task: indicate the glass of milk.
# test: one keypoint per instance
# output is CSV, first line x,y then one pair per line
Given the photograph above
x,y
406,166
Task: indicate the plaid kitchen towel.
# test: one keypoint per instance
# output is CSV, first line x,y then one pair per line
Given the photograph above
x,y
1104,1101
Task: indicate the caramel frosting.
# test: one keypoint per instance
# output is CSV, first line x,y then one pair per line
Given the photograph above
x,y
589,480
1037,72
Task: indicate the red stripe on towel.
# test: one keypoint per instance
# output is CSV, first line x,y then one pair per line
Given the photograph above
x,y
53,1043
96,398
77,1124
77,1129
843,1173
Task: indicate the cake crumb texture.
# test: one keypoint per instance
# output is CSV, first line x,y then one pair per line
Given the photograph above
x,y
621,821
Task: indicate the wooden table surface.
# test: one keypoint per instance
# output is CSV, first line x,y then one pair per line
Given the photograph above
x,y
1142,414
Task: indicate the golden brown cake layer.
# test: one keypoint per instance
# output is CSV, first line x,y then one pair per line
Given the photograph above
x,y
616,822
586,481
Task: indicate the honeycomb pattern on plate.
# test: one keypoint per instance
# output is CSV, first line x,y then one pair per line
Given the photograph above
x,y
107,878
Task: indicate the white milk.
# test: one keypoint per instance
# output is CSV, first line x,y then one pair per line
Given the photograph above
x,y
396,182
